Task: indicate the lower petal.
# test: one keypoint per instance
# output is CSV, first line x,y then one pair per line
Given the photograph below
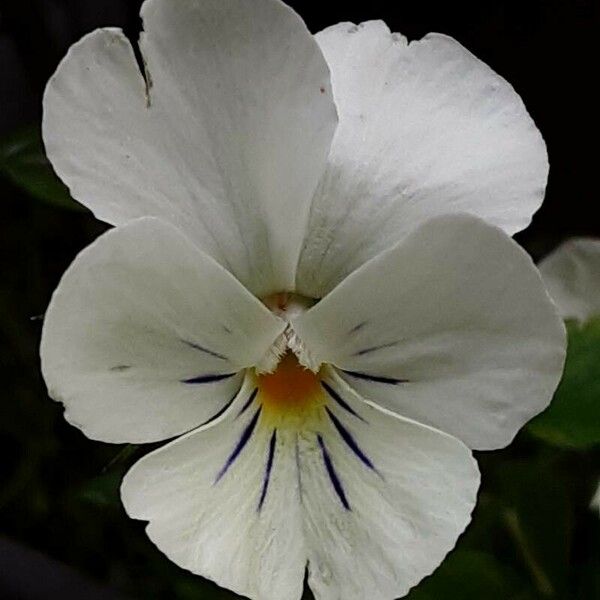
x,y
222,502
371,501
384,500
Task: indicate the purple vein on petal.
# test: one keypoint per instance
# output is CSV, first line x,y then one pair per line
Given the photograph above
x,y
208,378
205,350
375,348
248,402
333,476
375,378
340,400
268,468
350,441
221,410
244,439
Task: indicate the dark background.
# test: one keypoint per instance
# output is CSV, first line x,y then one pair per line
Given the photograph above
x,y
58,491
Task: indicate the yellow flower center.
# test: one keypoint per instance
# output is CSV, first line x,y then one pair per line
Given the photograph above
x,y
290,395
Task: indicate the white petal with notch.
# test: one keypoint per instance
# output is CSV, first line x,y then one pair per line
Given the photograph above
x,y
226,139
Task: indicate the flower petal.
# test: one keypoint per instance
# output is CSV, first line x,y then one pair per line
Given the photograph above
x,y
223,503
452,327
572,276
145,335
425,129
371,500
408,492
595,502
227,137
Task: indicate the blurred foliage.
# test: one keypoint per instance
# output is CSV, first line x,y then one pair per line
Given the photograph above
x,y
573,419
475,573
23,160
533,535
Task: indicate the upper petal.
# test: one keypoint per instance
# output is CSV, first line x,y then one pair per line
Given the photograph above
x,y
425,129
452,327
145,335
572,276
226,138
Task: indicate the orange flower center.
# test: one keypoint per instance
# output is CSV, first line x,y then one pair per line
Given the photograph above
x,y
291,393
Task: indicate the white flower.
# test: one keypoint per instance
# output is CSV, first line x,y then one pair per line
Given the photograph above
x,y
572,276
258,236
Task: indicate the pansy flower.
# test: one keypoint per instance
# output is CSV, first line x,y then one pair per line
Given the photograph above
x,y
309,282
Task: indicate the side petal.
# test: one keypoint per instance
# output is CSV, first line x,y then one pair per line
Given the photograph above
x,y
572,276
145,335
384,500
226,137
425,129
223,503
452,327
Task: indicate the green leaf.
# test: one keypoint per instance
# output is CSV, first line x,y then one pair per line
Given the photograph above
x,y
538,517
23,161
468,575
102,490
122,456
573,418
